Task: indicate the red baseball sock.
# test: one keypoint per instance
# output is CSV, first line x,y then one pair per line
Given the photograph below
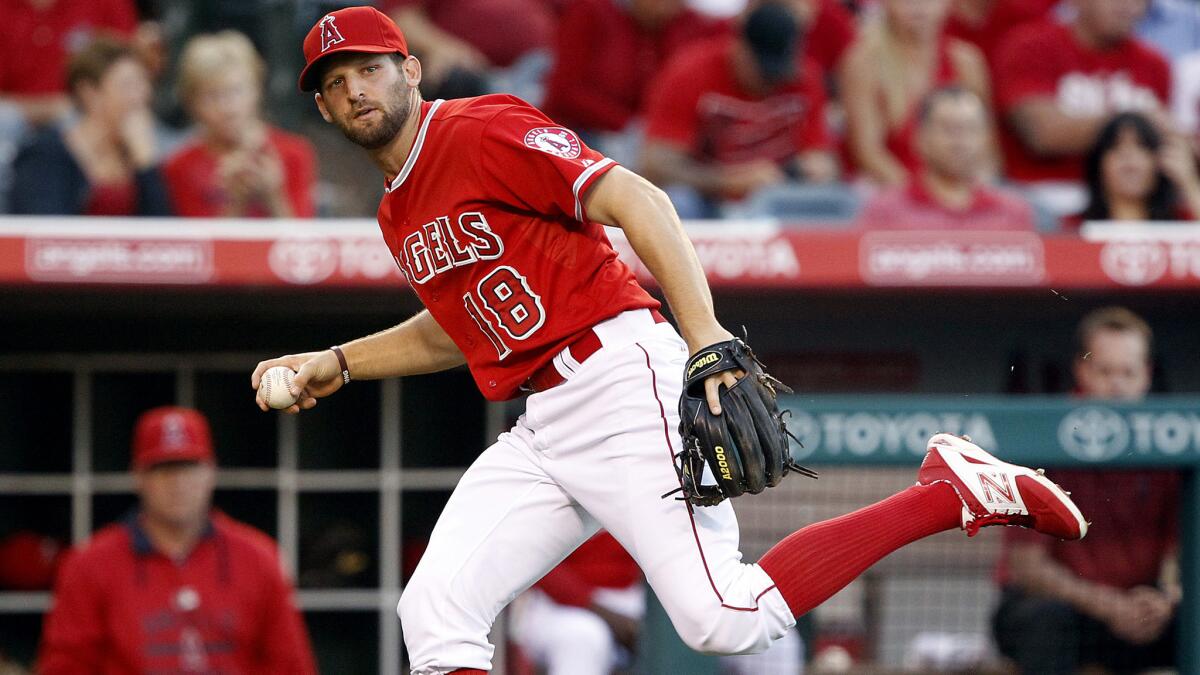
x,y
813,563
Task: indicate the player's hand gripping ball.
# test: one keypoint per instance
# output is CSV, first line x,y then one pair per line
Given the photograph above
x,y
278,388
745,446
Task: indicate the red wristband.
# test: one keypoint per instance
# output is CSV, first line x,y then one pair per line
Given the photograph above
x,y
337,351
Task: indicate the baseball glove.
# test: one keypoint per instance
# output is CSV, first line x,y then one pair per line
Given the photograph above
x,y
746,446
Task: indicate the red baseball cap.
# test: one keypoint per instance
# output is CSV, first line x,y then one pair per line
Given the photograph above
x,y
353,29
171,434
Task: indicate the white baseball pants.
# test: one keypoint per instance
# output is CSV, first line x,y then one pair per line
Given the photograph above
x,y
567,640
595,451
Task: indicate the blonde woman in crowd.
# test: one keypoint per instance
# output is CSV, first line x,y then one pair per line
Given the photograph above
x,y
900,56
238,165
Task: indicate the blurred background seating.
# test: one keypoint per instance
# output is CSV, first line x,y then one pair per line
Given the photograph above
x,y
836,117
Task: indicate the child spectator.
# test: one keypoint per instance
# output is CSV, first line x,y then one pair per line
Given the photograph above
x,y
1132,173
238,166
899,58
1058,84
104,164
949,193
730,116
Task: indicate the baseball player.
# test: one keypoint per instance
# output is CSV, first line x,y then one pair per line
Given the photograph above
x,y
493,212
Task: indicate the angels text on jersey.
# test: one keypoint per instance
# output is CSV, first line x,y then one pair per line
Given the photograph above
x,y
502,305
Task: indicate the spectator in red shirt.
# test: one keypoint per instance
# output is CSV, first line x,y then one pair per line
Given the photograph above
x,y
105,163
1132,173
39,38
1057,84
607,51
985,23
734,115
949,193
898,59
177,587
238,166
1107,603
829,30
828,25
458,41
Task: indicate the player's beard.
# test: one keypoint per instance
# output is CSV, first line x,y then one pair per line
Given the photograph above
x,y
392,115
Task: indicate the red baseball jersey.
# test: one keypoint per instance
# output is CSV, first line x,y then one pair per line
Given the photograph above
x,y
486,221
123,608
1045,60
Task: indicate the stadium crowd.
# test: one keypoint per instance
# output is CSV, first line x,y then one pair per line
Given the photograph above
x,y
911,114
1020,115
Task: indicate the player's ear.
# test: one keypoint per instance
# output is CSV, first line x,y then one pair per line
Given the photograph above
x,y
321,106
411,68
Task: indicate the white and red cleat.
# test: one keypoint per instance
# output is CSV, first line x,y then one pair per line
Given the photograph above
x,y
996,493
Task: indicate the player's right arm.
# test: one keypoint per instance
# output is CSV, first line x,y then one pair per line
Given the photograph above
x,y
414,347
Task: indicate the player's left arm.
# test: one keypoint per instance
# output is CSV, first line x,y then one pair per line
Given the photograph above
x,y
626,200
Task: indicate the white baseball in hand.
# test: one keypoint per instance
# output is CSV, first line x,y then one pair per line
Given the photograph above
x,y
278,388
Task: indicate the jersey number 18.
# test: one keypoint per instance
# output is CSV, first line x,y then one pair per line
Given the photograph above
x,y
510,307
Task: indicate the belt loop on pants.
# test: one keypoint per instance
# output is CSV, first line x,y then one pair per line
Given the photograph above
x,y
550,375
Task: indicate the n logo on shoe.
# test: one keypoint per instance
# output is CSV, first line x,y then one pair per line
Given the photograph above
x,y
995,492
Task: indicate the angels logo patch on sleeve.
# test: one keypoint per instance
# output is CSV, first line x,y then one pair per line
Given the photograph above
x,y
557,141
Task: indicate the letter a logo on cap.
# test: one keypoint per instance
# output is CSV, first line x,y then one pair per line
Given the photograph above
x,y
330,35
174,433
